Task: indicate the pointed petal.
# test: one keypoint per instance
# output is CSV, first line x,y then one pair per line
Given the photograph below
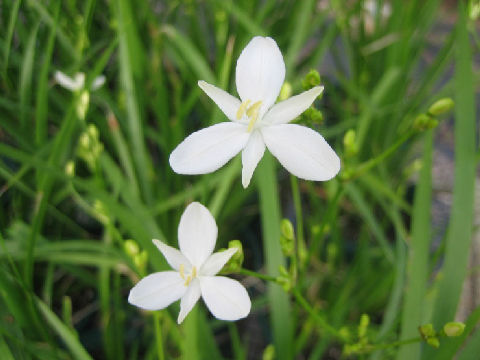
x,y
260,72
157,290
197,234
174,257
189,300
226,102
98,82
67,82
289,109
302,151
251,155
226,298
216,262
209,149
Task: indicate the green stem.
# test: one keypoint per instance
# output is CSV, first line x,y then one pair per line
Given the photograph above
x,y
158,335
319,319
258,275
300,248
383,346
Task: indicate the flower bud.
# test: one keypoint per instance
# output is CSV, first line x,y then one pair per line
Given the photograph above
x,y
426,331
351,147
269,353
285,91
474,10
140,260
312,116
441,106
453,329
311,80
236,261
131,248
424,122
70,168
363,325
82,104
434,342
287,238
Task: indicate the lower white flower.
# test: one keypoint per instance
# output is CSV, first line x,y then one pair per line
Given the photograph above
x,y
195,268
256,123
78,81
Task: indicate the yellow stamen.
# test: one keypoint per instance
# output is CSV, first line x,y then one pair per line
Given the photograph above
x,y
188,279
194,272
252,113
182,271
241,110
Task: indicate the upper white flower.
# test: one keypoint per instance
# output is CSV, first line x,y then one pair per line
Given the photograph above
x,y
256,123
78,81
194,276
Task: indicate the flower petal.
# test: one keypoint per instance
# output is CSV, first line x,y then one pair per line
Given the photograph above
x,y
302,151
226,298
289,109
174,257
197,234
260,72
67,82
251,155
209,149
189,300
227,103
98,82
216,262
157,290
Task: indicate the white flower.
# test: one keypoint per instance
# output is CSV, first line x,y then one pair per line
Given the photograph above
x,y
256,124
78,81
194,276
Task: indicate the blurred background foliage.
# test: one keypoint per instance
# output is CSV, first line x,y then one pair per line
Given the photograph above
x,y
85,180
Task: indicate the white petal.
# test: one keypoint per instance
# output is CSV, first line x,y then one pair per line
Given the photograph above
x,y
209,149
226,102
158,290
174,257
289,109
226,299
216,262
67,82
98,82
189,300
260,72
251,155
302,151
197,234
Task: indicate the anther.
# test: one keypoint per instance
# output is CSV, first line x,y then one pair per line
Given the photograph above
x,y
242,108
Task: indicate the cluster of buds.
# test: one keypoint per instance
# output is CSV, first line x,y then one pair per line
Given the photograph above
x,y
431,337
236,261
89,146
429,119
139,258
362,345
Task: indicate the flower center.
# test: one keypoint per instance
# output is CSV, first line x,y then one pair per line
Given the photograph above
x,y
251,111
189,278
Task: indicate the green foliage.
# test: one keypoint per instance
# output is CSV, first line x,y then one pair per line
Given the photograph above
x,y
86,182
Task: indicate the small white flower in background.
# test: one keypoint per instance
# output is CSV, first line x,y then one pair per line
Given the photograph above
x,y
78,81
257,123
195,268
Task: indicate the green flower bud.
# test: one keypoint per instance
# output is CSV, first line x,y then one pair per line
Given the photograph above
x,y
441,106
312,116
344,333
140,260
434,342
287,238
424,122
285,91
453,329
284,280
82,104
131,248
351,147
363,325
70,168
236,261
474,10
311,80
426,331
269,353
